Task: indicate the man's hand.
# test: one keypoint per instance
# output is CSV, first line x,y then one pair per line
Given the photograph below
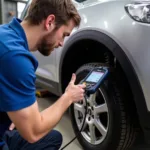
x,y
11,127
75,92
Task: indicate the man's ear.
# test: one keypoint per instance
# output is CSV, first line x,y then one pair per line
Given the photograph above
x,y
50,23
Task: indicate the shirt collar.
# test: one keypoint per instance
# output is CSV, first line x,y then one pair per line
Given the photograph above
x,y
15,25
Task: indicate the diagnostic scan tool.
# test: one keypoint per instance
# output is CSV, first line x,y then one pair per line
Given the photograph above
x,y
94,79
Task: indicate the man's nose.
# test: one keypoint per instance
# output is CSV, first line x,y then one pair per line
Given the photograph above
x,y
61,43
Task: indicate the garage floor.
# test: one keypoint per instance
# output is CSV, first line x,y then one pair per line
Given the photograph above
x,y
64,125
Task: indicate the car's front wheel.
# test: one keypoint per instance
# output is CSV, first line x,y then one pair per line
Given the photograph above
x,y
108,125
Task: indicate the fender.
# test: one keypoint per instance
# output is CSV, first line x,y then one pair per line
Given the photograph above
x,y
143,113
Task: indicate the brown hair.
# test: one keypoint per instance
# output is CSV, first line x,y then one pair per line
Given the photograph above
x,y
64,11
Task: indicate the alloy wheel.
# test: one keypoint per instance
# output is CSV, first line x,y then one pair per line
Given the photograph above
x,y
97,119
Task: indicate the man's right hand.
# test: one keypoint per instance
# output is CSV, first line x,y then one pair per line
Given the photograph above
x,y
75,92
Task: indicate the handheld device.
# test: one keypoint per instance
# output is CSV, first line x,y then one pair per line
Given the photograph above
x,y
94,79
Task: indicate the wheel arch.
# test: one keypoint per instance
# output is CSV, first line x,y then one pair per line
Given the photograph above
x,y
108,44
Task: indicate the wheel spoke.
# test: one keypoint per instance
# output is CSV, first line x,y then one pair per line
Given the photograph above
x,y
91,99
79,108
100,127
100,109
92,133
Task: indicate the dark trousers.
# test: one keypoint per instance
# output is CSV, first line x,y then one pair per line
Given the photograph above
x,y
14,141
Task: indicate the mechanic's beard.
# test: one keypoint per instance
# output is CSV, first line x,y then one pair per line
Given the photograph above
x,y
45,47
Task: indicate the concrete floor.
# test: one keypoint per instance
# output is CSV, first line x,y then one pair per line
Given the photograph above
x,y
64,125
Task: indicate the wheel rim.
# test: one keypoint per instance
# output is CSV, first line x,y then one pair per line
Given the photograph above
x,y
97,119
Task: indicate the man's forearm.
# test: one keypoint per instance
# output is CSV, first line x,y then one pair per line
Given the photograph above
x,y
52,115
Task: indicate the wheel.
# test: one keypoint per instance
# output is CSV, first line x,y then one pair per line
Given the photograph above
x,y
108,125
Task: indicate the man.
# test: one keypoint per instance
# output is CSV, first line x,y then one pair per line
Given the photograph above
x,y
46,25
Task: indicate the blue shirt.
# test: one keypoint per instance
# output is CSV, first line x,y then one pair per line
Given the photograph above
x,y
17,71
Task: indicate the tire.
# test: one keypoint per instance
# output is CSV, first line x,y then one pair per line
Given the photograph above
x,y
111,126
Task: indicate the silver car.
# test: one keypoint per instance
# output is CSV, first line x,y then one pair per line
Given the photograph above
x,y
116,34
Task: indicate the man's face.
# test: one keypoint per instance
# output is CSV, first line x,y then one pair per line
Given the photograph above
x,y
54,39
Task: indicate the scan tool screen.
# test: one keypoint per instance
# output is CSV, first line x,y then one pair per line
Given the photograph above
x,y
95,77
